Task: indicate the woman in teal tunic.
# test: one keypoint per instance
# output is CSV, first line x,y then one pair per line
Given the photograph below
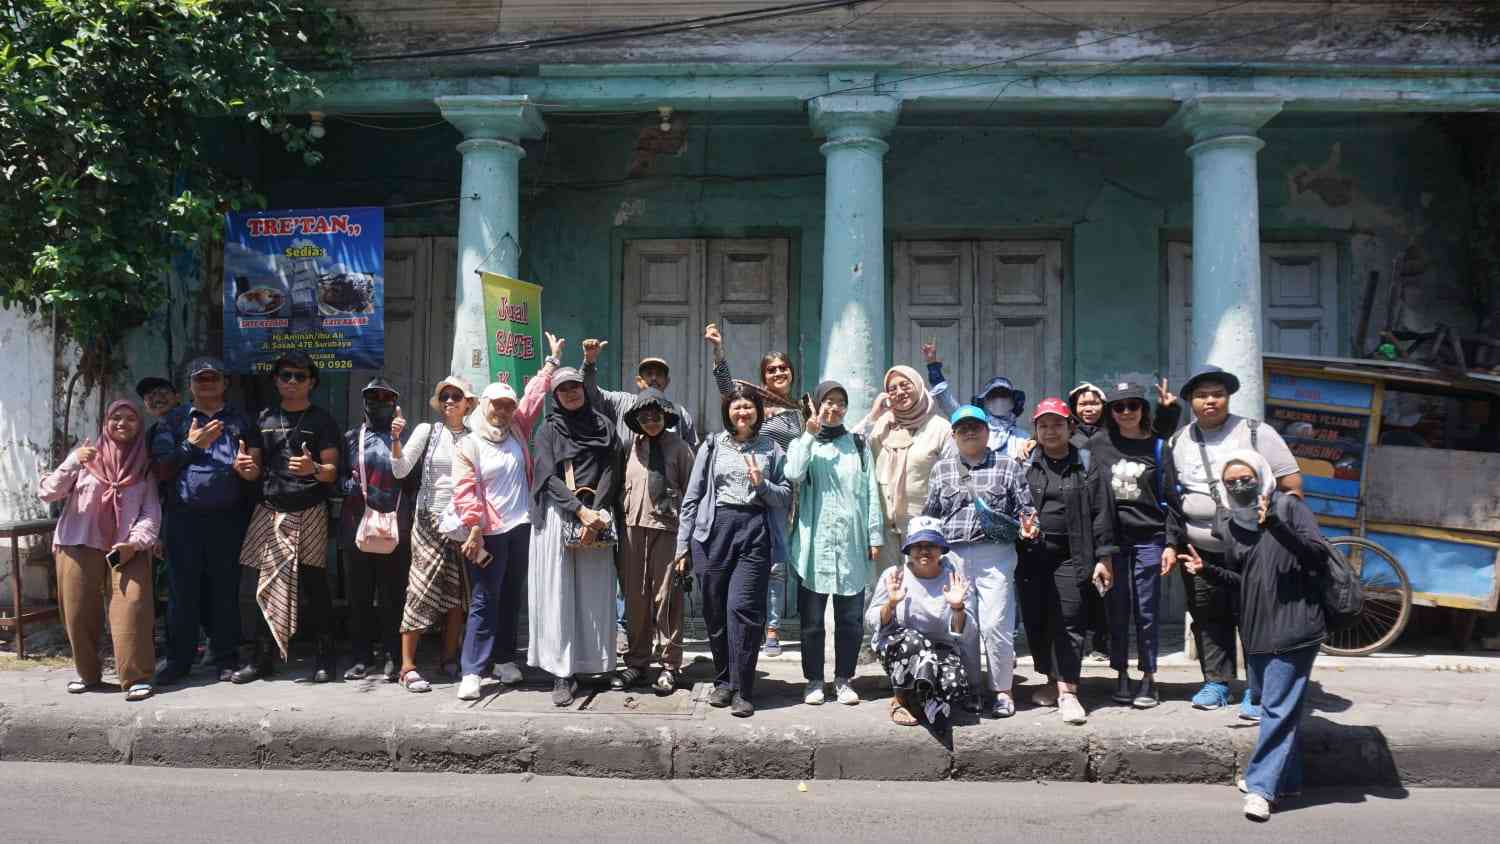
x,y
838,531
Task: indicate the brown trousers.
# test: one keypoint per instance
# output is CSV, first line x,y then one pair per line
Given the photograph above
x,y
82,575
653,608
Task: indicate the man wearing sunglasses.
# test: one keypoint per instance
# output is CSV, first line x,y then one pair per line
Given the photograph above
x,y
204,453
285,551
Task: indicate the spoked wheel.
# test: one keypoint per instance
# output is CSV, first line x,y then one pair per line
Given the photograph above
x,y
1387,599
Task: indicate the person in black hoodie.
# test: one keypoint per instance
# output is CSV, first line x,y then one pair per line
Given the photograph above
x,y
367,479
1275,557
1129,452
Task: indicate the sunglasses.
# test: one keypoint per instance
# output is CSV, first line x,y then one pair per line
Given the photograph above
x,y
450,397
289,377
777,368
206,377
386,398
1128,406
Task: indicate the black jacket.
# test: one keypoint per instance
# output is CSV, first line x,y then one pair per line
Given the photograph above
x,y
1091,515
1279,571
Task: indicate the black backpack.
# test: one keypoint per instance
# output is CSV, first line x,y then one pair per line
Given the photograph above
x,y
1343,595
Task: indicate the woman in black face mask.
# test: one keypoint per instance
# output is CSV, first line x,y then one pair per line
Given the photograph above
x,y
367,480
1275,555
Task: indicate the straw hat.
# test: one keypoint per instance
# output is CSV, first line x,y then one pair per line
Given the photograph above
x,y
456,382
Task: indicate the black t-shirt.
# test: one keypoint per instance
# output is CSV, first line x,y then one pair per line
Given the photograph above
x,y
284,433
1131,468
1052,510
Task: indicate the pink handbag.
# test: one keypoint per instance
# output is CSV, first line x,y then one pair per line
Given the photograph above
x,y
378,533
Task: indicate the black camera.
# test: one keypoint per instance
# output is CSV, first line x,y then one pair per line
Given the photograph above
x,y
683,582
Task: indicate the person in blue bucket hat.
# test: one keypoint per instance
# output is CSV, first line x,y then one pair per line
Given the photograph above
x,y
1001,402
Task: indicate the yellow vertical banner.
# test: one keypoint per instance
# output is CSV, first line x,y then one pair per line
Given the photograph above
x,y
513,323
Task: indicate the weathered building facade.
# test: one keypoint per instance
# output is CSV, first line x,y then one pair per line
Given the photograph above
x,y
1055,190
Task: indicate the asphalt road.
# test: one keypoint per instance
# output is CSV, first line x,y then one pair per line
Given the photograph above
x,y
46,803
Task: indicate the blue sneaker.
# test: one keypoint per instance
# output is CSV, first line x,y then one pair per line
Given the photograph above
x,y
1212,696
1249,709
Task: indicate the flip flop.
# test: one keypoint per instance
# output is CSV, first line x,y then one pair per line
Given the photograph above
x,y
902,716
138,692
413,682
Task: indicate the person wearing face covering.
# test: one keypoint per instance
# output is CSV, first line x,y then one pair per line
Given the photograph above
x,y
492,483
367,480
999,398
658,465
572,590
838,531
1276,560
111,511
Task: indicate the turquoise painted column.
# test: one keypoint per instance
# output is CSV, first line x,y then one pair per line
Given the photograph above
x,y
489,215
854,282
1226,313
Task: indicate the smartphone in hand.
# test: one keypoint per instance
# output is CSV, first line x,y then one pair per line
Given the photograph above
x,y
113,558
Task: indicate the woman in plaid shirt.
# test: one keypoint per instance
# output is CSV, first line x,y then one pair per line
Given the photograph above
x,y
984,504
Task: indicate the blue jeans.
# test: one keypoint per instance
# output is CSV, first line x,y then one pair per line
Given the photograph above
x,y
776,596
1132,602
1275,766
486,598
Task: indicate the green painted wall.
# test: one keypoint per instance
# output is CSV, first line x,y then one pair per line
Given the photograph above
x,y
1116,197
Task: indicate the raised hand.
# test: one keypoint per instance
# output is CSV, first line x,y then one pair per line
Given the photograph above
x,y
930,351
398,424
203,436
1192,561
85,453
753,470
303,464
243,462
895,584
1164,396
812,425
955,590
592,348
712,336
556,344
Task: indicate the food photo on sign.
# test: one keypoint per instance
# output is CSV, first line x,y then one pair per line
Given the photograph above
x,y
306,280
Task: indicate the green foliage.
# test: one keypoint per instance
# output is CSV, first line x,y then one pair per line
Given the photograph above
x,y
102,109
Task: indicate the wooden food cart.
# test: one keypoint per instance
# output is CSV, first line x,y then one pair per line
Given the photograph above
x,y
1407,458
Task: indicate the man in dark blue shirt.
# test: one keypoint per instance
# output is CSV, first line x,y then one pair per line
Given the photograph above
x,y
205,452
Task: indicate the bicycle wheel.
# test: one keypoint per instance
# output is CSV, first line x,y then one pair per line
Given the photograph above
x,y
1387,605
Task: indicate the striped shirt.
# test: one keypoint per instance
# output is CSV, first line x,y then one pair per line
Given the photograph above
x,y
437,464
782,427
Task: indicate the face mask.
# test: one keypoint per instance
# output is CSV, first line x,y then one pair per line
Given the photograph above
x,y
380,414
999,407
1244,492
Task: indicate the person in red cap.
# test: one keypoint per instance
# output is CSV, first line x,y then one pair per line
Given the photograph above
x,y
1071,554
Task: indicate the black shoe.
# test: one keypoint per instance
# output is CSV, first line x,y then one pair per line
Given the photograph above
x,y
1122,689
626,678
357,671
392,672
720,698
327,661
741,708
1145,695
563,691
169,675
255,662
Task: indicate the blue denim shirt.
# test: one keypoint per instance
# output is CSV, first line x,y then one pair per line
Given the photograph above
x,y
201,478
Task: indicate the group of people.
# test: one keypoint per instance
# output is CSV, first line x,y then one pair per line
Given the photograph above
x,y
925,525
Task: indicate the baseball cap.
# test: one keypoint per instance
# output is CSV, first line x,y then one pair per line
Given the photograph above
x,y
151,382
566,375
1053,405
1126,390
924,529
969,411
206,363
645,362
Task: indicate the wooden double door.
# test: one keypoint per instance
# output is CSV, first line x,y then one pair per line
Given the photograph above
x,y
420,280
673,287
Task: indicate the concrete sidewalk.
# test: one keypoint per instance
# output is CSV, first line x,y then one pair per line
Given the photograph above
x,y
1401,721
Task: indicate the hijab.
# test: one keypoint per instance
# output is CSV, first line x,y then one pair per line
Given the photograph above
x,y
479,420
898,430
576,431
828,433
116,467
1248,516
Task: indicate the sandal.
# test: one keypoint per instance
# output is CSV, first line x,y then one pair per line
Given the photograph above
x,y
78,687
413,682
140,691
357,671
900,715
625,678
666,682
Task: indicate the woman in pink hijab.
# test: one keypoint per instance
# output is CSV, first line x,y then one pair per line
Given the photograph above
x,y
111,515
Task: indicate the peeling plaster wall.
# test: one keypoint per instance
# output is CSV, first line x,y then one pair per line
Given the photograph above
x,y
25,434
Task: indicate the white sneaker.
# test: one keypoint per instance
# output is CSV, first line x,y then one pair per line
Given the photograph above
x,y
1071,710
468,688
814,694
845,692
508,673
1256,808
1240,784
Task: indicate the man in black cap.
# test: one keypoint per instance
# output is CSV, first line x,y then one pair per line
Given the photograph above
x,y
204,453
652,373
158,395
367,480
285,551
1195,459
